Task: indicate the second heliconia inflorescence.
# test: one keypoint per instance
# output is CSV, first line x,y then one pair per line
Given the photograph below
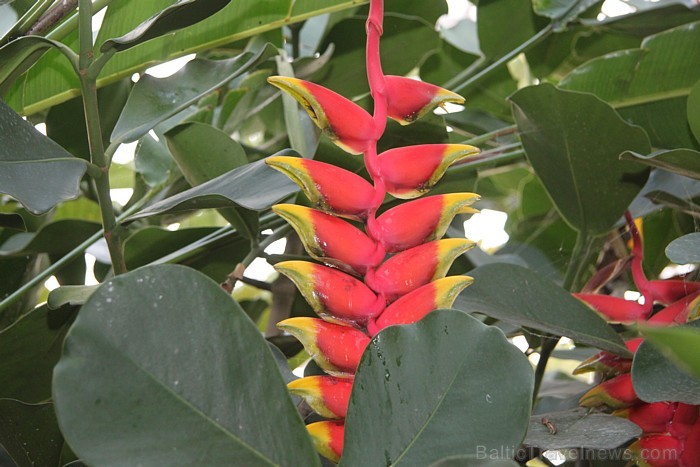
x,y
392,271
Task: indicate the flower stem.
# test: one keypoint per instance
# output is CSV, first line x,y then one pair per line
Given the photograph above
x,y
88,88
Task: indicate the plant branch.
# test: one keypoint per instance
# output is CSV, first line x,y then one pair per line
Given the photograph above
x,y
88,88
52,17
35,12
71,22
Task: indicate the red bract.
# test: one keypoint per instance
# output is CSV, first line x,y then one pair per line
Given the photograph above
x,y
671,431
363,288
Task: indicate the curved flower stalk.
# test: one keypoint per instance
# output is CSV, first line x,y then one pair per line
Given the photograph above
x,y
392,269
670,430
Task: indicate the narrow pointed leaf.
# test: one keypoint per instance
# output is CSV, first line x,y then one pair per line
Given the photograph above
x,y
153,100
157,398
443,411
573,142
684,162
179,15
33,169
253,186
538,303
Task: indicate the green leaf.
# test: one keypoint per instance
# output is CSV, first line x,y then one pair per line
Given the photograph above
x,y
30,433
661,181
153,161
178,376
57,238
70,295
181,14
33,169
682,161
415,399
685,250
253,186
658,378
29,349
563,11
473,461
239,20
520,296
628,80
573,142
19,55
503,25
694,110
578,428
153,100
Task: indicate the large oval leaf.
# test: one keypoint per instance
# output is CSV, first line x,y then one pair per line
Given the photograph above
x,y
685,250
435,389
573,142
30,433
520,296
33,169
656,377
178,375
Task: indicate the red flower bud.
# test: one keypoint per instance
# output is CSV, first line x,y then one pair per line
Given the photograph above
x,y
409,99
327,395
332,240
657,451
330,188
337,349
333,295
410,171
616,393
415,305
423,220
346,124
328,438
413,268
651,418
608,363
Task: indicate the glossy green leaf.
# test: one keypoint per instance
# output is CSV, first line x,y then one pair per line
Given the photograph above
x,y
70,295
681,161
629,81
407,410
578,428
153,161
474,461
153,100
657,377
178,376
30,433
179,15
33,169
685,250
29,349
253,186
537,303
694,110
573,141
653,18
239,20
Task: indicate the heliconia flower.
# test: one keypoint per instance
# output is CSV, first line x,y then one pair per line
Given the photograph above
x,y
691,451
685,418
615,309
328,437
670,291
616,393
409,99
332,240
327,395
333,295
411,171
329,188
423,220
657,451
651,418
337,349
678,312
413,268
415,305
608,363
346,124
